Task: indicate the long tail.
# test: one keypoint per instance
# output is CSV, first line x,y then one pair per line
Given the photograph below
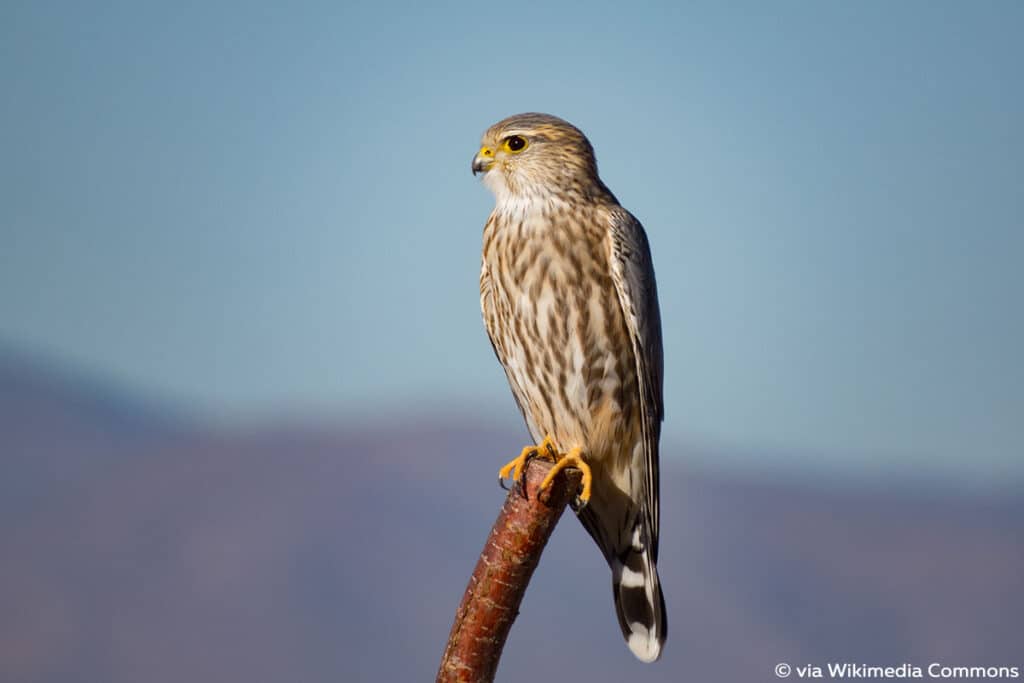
x,y
639,602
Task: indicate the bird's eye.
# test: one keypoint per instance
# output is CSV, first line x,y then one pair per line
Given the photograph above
x,y
515,143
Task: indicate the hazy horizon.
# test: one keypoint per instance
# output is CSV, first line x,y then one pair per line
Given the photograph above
x,y
91,390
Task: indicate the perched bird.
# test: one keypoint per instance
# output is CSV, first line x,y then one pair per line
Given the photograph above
x,y
569,301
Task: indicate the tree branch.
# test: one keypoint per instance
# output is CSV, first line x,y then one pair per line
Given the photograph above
x,y
491,601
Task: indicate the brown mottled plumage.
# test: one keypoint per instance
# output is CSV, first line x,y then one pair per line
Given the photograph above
x,y
569,301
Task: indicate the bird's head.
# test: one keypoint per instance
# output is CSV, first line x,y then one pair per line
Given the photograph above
x,y
532,156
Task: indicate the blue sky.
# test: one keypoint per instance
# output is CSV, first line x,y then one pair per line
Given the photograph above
x,y
256,208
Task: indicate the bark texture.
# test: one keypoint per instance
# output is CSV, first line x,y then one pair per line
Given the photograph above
x,y
491,601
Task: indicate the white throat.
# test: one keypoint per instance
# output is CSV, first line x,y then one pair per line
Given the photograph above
x,y
518,204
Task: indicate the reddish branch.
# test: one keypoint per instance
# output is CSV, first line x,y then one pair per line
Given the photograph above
x,y
491,601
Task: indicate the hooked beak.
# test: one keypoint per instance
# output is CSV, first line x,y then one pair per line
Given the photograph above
x,y
483,160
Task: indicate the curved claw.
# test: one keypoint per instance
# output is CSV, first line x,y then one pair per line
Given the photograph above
x,y
573,458
516,468
522,472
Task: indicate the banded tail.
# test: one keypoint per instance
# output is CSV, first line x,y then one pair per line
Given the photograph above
x,y
639,603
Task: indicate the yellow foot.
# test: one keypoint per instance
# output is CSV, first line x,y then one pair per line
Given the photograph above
x,y
573,458
516,469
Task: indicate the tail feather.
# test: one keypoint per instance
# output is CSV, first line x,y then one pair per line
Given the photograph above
x,y
632,556
639,603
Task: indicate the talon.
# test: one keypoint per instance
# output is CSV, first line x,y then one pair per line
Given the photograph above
x,y
522,472
516,468
573,458
516,465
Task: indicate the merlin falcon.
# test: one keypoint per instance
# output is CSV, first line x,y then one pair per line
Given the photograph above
x,y
569,301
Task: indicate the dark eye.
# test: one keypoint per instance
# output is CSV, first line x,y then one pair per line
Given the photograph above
x,y
514,143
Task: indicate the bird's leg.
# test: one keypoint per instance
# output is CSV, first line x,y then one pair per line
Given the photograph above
x,y
516,469
573,458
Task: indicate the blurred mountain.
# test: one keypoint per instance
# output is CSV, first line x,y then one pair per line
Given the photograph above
x,y
142,548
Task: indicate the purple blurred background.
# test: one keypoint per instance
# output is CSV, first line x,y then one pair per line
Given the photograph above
x,y
142,546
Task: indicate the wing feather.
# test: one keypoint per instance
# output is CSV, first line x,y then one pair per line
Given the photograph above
x,y
633,274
